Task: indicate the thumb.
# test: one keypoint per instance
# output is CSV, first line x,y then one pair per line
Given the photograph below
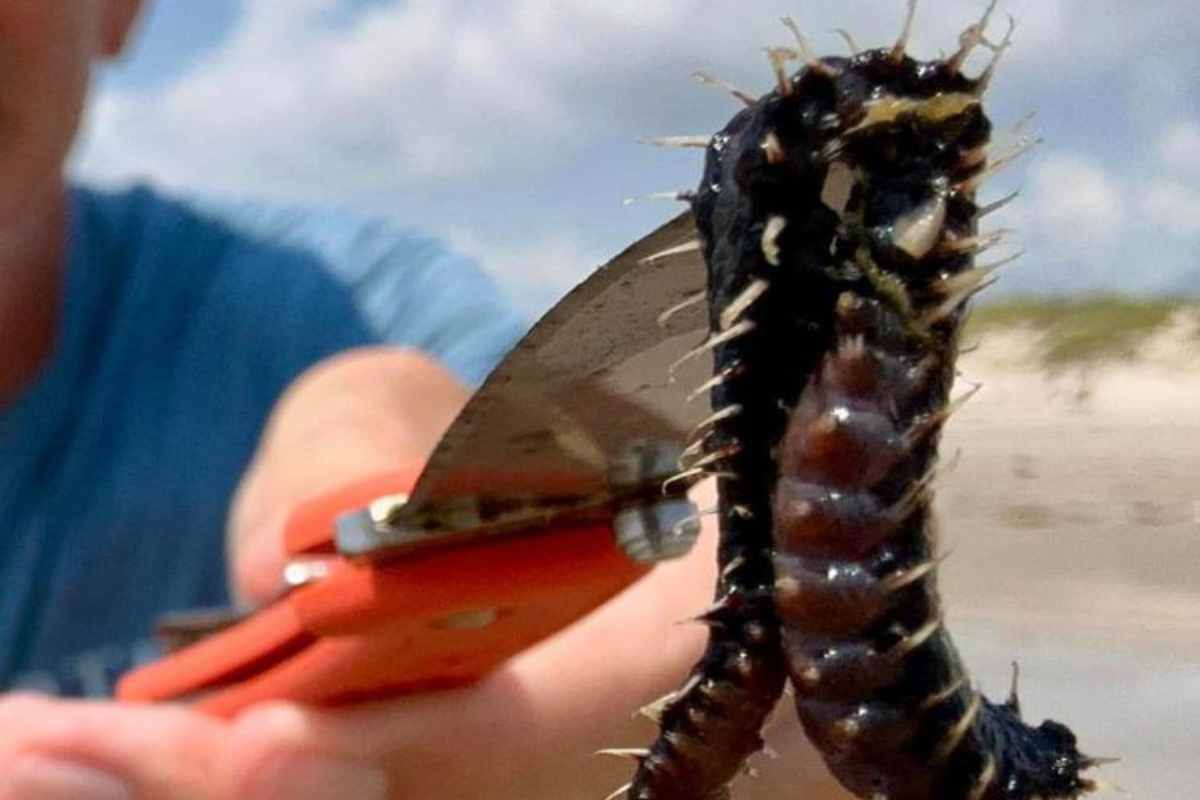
x,y
365,412
256,551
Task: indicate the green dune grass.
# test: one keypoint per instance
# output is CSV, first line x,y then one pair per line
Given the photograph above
x,y
1081,330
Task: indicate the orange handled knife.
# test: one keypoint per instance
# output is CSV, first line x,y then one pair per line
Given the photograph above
x,y
544,499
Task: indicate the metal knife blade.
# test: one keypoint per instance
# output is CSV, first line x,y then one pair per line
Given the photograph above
x,y
581,411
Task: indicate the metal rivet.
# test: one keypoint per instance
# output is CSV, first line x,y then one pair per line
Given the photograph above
x,y
383,509
301,572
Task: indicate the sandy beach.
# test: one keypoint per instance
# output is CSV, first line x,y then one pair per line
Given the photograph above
x,y
1074,518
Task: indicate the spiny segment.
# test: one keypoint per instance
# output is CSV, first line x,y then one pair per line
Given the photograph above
x,y
848,38
728,373
679,249
703,742
709,80
678,195
805,52
712,342
838,278
664,319
879,686
684,142
899,50
991,208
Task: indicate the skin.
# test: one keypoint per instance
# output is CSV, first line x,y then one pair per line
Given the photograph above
x,y
527,731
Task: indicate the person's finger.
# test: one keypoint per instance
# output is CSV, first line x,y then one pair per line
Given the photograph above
x,y
465,743
51,749
280,750
362,413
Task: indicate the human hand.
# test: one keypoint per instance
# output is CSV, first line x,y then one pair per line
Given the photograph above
x,y
529,730
366,412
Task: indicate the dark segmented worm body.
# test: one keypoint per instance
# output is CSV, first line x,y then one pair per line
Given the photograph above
x,y
767,326
879,686
838,221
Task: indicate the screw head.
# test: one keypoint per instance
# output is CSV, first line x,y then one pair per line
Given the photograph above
x,y
383,509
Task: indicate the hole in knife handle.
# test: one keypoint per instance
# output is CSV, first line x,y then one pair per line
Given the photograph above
x,y
470,620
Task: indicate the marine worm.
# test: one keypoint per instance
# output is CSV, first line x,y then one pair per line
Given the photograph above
x,y
838,220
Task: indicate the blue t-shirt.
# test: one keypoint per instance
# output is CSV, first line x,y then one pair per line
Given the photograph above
x,y
181,326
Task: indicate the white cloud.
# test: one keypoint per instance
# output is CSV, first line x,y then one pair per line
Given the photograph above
x,y
1179,147
517,120
536,274
1076,201
1170,202
1172,207
430,90
290,103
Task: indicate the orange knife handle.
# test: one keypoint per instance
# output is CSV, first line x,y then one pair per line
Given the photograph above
x,y
431,620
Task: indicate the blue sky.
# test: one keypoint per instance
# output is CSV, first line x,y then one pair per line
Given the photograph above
x,y
511,128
